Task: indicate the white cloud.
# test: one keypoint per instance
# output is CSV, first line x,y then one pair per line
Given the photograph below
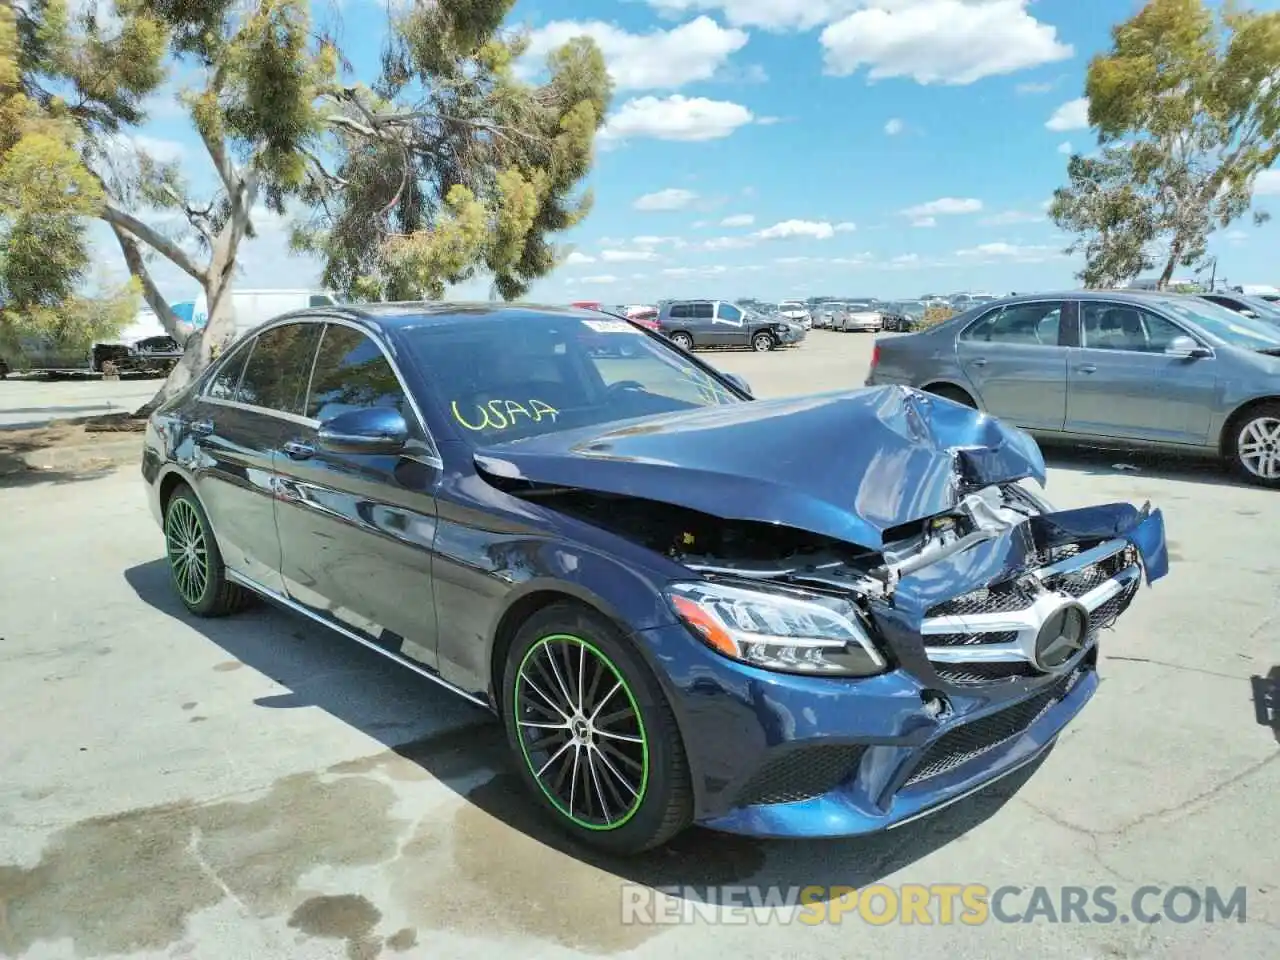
x,y
159,149
674,198
1072,115
660,59
787,229
768,121
675,118
708,271
728,243
906,258
576,258
627,256
924,222
775,15
1011,216
1267,184
954,42
1235,237
944,206
738,220
650,241
846,226
1001,251
894,127
1065,147
600,279
1034,87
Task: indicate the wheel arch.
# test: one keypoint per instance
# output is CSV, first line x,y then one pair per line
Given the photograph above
x,y
935,385
1232,422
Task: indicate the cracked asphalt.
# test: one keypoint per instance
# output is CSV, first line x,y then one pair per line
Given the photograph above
x,y
259,788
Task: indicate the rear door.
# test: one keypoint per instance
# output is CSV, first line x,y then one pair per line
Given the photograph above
x,y
249,409
1014,358
356,530
706,332
729,326
1121,384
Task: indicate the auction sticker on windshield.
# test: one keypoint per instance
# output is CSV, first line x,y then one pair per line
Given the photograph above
x,y
610,326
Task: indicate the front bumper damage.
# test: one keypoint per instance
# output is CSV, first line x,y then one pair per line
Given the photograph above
x,y
969,701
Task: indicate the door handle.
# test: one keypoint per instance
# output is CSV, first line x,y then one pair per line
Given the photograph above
x,y
979,361
1087,368
200,428
297,450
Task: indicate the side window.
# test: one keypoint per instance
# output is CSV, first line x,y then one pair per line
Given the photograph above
x,y
702,311
680,311
276,375
351,373
727,311
1114,326
227,378
320,300
1027,324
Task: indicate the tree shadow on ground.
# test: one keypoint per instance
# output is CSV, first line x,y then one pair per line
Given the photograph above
x,y
464,747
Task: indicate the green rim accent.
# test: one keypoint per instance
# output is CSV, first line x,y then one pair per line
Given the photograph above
x,y
584,647
188,551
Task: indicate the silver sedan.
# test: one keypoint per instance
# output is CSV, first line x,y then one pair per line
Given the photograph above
x,y
1133,369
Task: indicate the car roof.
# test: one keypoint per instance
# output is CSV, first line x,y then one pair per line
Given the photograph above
x,y
1157,297
390,316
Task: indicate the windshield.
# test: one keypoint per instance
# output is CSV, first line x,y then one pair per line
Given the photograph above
x,y
1262,308
508,377
912,307
1227,326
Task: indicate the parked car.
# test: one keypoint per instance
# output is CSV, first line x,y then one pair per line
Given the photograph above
x,y
796,311
1249,306
1140,369
829,315
141,347
645,316
861,316
903,316
718,323
684,605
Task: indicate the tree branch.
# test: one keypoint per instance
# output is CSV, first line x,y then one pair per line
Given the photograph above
x,y
133,258
154,239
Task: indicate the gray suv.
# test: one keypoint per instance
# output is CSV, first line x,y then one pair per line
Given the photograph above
x,y
719,323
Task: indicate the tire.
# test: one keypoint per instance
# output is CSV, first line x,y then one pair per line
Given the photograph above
x,y
682,340
763,342
196,570
653,767
1253,445
954,394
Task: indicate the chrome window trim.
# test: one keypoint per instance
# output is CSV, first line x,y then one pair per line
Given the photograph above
x,y
432,457
1062,301
1198,338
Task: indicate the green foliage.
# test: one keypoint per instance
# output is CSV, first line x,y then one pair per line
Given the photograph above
x,y
453,165
935,314
46,191
1187,114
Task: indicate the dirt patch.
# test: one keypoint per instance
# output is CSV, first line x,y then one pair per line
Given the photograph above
x,y
69,449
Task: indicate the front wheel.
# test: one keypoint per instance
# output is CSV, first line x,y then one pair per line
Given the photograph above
x,y
763,342
594,736
195,564
682,340
1255,445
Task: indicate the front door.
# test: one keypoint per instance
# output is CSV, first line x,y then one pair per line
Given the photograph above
x,y
1014,359
356,530
1122,384
729,326
248,410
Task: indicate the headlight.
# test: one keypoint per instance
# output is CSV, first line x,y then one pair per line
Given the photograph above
x,y
788,632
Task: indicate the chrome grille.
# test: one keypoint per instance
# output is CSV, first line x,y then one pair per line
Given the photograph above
x,y
989,635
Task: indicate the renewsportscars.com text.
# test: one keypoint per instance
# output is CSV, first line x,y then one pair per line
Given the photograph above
x,y
931,904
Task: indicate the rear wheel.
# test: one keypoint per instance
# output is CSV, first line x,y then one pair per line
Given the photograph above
x,y
954,394
1255,445
594,736
763,342
682,340
195,564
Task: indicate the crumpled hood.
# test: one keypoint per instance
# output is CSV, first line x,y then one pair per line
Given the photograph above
x,y
847,465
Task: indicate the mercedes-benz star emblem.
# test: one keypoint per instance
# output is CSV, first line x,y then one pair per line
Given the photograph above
x,y
1062,636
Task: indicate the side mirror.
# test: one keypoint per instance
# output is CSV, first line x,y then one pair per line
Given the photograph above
x,y
1248,313
1186,348
738,382
373,430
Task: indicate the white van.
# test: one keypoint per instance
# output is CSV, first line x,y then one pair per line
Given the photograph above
x,y
253,307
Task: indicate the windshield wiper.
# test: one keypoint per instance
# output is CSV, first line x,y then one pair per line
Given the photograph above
x,y
1269,351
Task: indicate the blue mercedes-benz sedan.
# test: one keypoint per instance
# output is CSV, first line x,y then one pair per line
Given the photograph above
x,y
815,616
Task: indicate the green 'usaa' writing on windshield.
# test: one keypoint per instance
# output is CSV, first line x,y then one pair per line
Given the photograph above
x,y
501,414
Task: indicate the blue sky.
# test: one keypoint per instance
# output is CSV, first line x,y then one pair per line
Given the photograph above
x,y
777,148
